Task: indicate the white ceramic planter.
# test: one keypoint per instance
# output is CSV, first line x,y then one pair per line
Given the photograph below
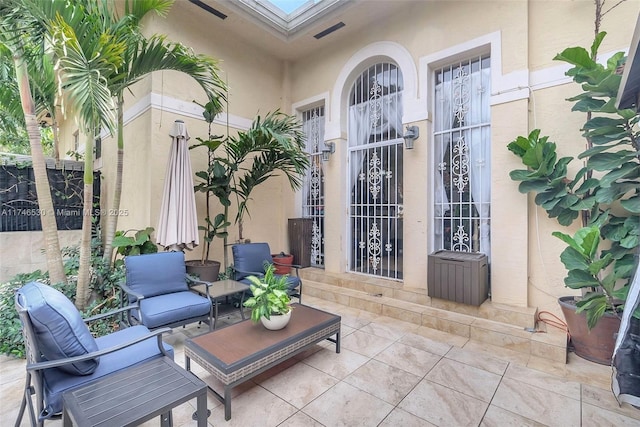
x,y
276,322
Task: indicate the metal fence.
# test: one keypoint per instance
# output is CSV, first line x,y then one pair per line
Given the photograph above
x,y
19,210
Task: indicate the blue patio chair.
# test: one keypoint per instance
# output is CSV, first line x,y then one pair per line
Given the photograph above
x,y
62,354
250,259
158,285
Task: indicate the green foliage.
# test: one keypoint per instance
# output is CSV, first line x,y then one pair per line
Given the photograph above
x,y
604,193
269,295
139,243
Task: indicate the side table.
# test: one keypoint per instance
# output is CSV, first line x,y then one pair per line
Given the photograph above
x,y
222,288
134,395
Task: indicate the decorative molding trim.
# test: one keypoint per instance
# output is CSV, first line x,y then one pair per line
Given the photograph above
x,y
180,107
313,101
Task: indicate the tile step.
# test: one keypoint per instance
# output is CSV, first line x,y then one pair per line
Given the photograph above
x,y
489,324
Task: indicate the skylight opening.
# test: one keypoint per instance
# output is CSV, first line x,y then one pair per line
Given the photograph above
x,y
289,6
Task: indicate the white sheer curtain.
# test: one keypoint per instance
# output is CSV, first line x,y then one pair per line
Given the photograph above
x,y
313,129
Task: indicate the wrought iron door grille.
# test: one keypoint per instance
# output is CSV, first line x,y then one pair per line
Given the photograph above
x,y
376,172
313,200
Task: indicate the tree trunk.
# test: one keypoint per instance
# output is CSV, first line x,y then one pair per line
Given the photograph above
x,y
112,218
84,268
43,189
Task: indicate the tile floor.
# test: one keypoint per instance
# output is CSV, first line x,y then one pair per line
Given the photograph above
x,y
391,373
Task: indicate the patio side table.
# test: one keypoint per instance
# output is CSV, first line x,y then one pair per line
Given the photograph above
x,y
220,289
134,395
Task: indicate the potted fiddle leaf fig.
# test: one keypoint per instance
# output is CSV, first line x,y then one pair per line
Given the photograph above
x,y
604,194
214,181
269,303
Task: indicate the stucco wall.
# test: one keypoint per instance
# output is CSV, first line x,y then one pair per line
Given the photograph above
x,y
528,91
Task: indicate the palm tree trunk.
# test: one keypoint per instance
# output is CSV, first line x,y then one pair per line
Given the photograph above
x,y
45,202
82,289
112,219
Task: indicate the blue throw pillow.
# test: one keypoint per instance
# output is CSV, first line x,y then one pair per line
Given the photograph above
x,y
58,327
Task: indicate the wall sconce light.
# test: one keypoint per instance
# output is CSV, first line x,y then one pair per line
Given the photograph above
x,y
328,150
410,134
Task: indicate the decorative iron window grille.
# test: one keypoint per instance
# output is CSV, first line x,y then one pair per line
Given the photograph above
x,y
462,153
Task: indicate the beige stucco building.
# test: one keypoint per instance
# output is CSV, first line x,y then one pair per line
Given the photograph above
x,y
481,72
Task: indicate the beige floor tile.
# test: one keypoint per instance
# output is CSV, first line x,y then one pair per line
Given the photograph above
x,y
442,337
593,416
498,417
300,419
366,344
601,398
543,380
383,381
338,365
537,404
410,359
299,384
465,379
426,344
398,417
480,361
244,413
586,372
498,352
443,406
385,330
346,405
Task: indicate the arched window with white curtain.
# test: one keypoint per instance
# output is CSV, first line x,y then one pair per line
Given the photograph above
x,y
462,155
313,188
376,172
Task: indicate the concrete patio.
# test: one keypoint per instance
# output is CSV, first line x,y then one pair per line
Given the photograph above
x,y
392,373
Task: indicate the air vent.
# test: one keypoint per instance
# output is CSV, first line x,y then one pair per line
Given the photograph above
x,y
329,30
209,9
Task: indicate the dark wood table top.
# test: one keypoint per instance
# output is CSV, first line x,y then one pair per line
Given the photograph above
x,y
238,345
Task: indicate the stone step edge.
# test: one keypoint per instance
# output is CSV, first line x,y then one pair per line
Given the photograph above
x,y
526,317
547,346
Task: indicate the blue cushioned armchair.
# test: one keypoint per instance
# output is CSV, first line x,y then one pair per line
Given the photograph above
x,y
249,259
62,354
158,285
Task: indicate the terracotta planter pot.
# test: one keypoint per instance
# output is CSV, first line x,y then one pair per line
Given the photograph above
x,y
208,271
595,345
282,259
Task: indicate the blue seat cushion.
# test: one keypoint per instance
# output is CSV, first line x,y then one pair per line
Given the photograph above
x,y
59,329
163,310
156,274
56,381
249,258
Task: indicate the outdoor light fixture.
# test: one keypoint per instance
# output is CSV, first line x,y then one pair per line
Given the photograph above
x,y
328,150
410,134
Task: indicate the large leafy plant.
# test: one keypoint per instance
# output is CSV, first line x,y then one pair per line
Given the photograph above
x,y
269,295
604,193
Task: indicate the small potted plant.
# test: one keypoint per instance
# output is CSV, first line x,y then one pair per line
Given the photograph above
x,y
270,303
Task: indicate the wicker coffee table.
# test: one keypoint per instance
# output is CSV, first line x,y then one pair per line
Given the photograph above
x,y
241,351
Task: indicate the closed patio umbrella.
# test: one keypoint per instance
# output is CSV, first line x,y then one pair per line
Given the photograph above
x,y
178,222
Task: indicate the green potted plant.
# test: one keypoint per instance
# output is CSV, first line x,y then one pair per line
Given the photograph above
x,y
269,303
273,144
138,244
214,181
604,194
